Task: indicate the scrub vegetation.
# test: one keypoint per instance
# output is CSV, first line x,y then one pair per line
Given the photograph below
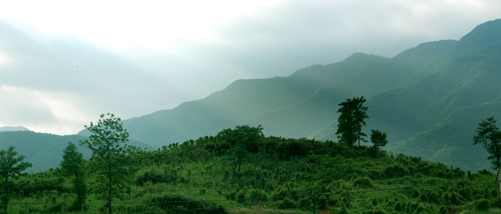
x,y
240,170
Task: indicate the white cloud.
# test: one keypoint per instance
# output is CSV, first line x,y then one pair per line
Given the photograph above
x,y
67,69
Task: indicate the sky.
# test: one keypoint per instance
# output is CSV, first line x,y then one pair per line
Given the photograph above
x,y
63,63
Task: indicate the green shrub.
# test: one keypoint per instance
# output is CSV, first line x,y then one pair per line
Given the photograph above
x,y
240,197
482,204
364,182
257,196
286,204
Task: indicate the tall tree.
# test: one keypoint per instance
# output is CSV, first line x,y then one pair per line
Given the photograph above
x,y
10,168
350,122
378,138
73,165
109,154
489,136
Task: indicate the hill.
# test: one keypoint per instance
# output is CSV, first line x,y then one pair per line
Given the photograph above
x,y
241,171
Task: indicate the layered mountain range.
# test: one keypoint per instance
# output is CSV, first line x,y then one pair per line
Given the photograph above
x,y
428,99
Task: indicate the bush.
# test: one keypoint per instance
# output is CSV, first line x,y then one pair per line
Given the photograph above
x,y
364,182
180,204
482,204
240,196
257,196
286,204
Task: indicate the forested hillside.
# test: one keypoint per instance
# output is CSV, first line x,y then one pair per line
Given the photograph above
x,y
241,171
428,99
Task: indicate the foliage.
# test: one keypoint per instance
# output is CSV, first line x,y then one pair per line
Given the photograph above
x,y
350,122
378,138
363,182
489,136
10,168
73,165
179,204
482,204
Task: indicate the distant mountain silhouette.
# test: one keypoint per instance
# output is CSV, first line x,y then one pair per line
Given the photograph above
x,y
13,128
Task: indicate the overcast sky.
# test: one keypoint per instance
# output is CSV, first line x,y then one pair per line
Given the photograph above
x,y
63,63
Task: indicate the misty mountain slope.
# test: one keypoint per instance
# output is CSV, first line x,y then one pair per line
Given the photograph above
x,y
359,75
240,101
415,97
243,101
480,37
443,107
451,140
373,78
434,113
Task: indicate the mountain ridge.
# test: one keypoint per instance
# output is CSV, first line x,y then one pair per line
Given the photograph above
x,y
406,95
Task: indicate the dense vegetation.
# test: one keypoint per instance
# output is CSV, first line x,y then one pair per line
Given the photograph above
x,y
240,170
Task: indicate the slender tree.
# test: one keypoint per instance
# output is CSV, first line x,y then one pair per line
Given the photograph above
x,y
378,138
489,136
109,154
10,168
352,119
73,165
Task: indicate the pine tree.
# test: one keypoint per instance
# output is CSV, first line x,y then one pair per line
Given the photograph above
x,y
109,154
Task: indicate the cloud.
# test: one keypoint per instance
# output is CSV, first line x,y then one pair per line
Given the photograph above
x,y
57,82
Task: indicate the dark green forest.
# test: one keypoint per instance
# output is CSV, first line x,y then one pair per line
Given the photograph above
x,y
240,170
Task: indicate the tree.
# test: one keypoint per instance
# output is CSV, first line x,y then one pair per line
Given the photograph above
x,y
350,122
239,142
378,138
489,136
109,154
73,165
10,168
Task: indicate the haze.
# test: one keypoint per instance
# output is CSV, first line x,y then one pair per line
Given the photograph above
x,y
62,64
